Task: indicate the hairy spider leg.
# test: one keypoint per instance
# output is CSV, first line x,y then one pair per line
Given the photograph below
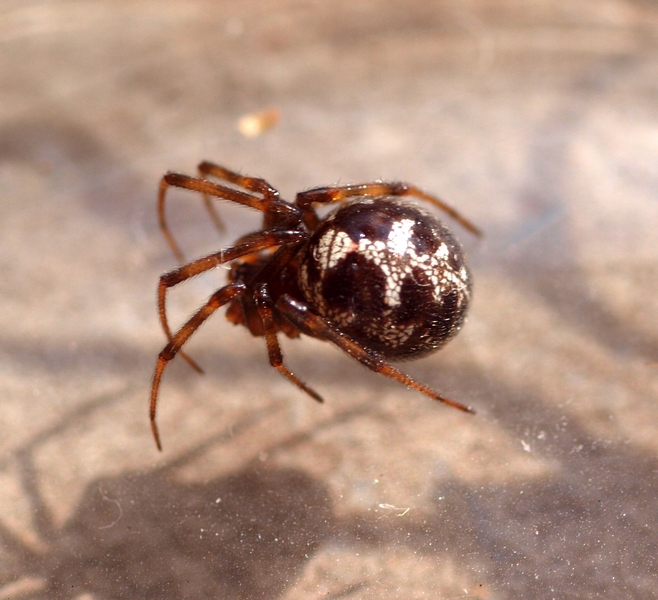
x,y
217,300
305,319
323,195
253,184
215,190
255,242
264,306
210,189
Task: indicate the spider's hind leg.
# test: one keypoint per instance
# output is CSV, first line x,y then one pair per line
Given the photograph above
x,y
306,320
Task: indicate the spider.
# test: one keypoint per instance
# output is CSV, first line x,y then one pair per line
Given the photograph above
x,y
378,277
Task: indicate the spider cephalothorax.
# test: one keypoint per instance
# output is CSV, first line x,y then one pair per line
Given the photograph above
x,y
378,277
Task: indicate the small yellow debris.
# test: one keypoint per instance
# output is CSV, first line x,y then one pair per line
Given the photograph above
x,y
254,124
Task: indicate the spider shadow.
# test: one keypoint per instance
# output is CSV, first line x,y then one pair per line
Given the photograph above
x,y
250,534
145,535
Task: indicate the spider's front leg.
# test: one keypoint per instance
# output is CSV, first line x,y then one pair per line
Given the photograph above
x,y
270,204
217,300
253,184
328,194
248,244
255,242
306,320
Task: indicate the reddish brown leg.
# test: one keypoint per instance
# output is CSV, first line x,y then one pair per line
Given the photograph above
x,y
253,184
217,300
215,190
303,318
210,207
251,243
264,306
324,195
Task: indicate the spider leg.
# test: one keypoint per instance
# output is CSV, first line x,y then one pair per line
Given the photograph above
x,y
217,300
253,184
254,242
264,307
278,209
306,320
324,195
210,207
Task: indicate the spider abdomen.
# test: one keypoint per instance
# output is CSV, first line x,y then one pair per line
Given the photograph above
x,y
388,275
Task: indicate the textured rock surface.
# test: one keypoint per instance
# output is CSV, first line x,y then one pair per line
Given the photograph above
x,y
538,120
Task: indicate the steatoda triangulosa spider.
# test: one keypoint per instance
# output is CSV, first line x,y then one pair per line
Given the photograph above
x,y
378,277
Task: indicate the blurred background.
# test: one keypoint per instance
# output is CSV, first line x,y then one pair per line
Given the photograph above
x,y
538,120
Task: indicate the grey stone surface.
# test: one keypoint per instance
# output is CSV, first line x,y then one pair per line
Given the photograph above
x,y
538,120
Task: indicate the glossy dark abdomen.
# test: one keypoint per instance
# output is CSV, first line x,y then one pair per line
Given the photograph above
x,y
389,276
